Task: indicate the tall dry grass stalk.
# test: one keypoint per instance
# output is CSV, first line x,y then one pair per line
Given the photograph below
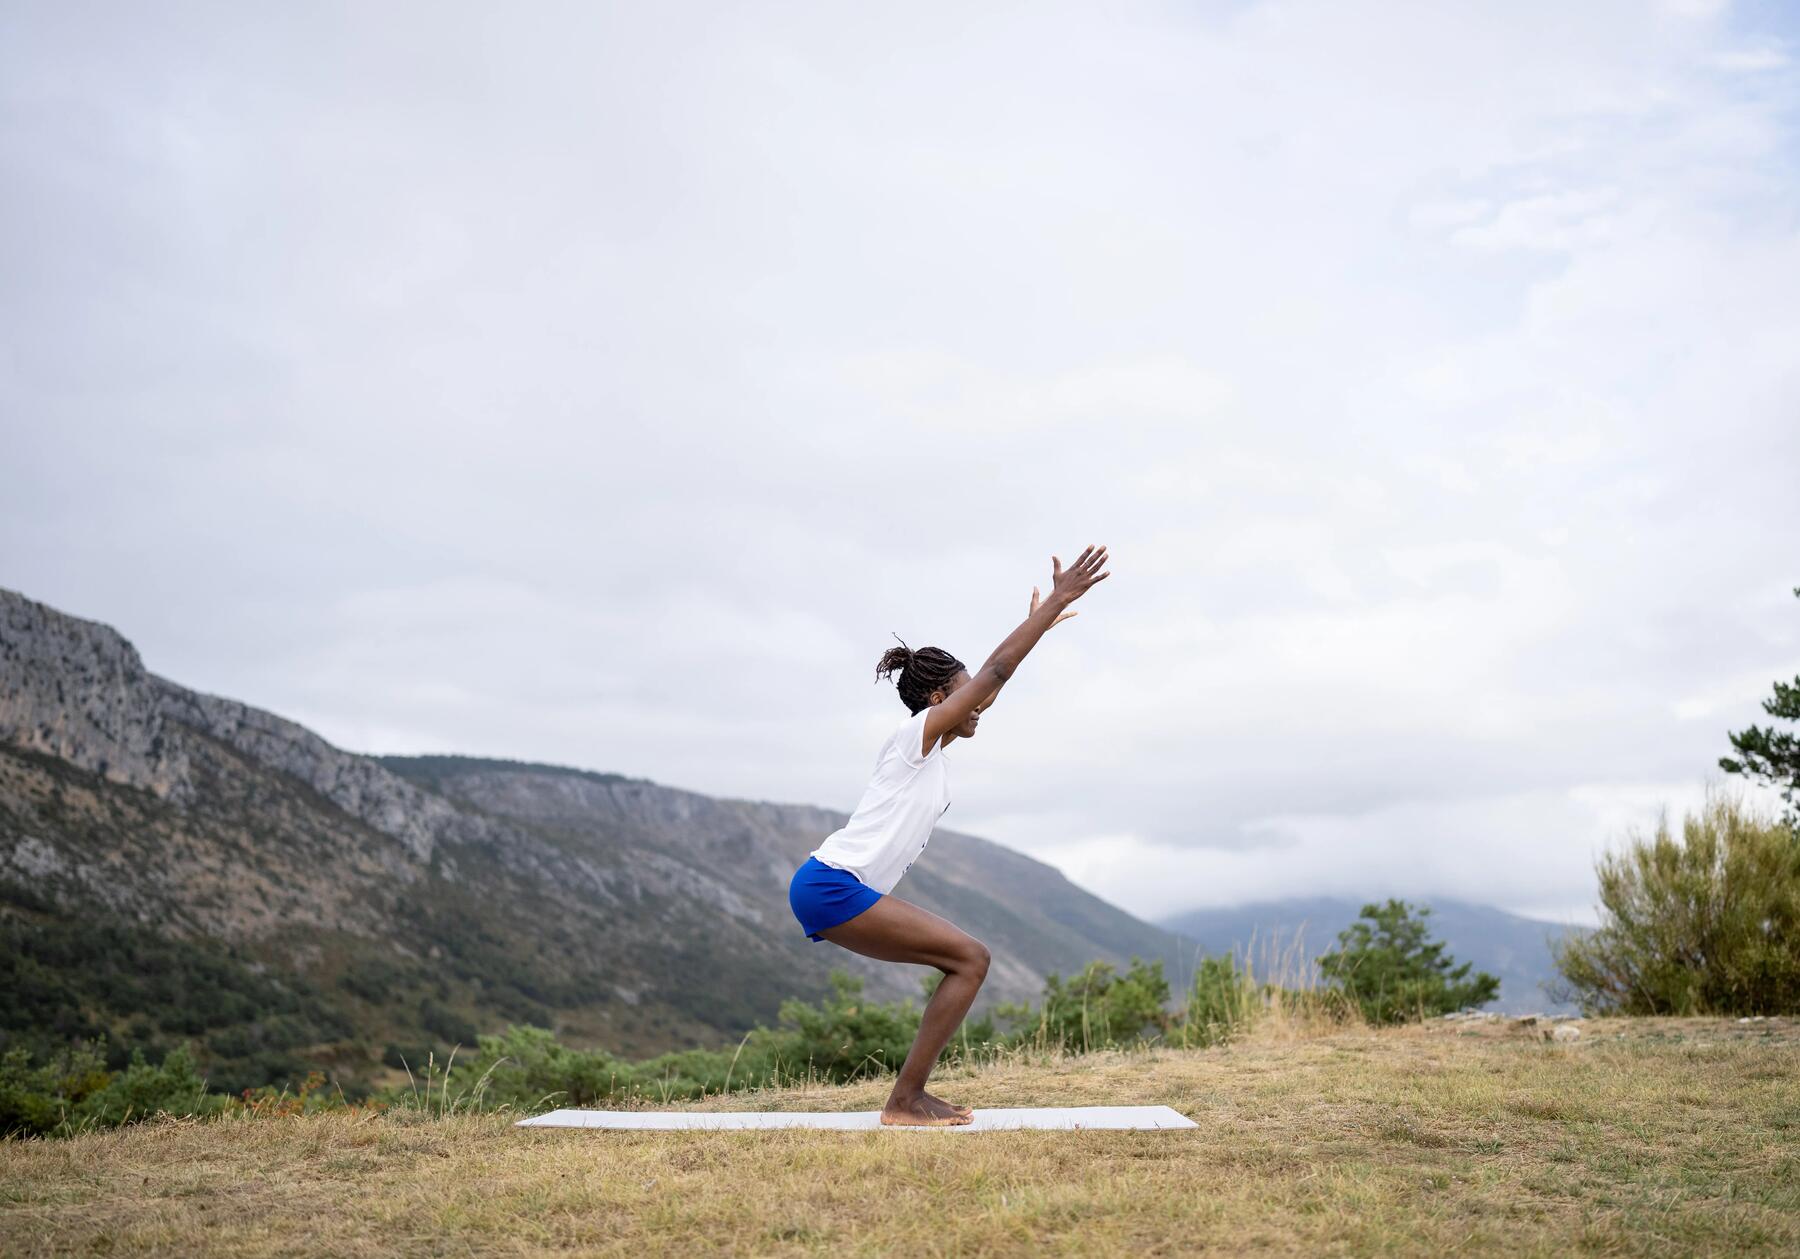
x,y
433,1098
1277,995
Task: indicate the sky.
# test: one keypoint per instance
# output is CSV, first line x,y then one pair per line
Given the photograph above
x,y
608,385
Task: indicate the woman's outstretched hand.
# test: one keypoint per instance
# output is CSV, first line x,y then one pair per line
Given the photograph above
x,y
1068,585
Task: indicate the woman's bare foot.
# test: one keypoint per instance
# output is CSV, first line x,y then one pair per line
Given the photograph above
x,y
921,1112
957,1107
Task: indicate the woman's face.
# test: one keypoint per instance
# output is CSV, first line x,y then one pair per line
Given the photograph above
x,y
967,729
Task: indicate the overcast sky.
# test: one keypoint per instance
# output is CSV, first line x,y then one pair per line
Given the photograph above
x,y
604,385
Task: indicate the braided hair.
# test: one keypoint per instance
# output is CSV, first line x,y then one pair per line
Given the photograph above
x,y
921,672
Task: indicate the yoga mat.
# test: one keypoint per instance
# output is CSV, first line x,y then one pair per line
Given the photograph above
x,y
1065,1117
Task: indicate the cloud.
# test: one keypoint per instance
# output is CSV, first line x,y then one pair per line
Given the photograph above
x,y
1752,60
1556,222
606,386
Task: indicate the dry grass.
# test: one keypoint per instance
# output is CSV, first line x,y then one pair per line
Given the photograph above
x,y
1647,1137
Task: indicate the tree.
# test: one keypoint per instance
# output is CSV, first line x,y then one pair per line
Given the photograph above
x,y
1773,755
1392,973
1706,925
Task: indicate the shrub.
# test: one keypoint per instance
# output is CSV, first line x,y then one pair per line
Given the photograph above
x,y
1708,924
35,1099
525,1066
1389,969
1221,1002
1097,1009
73,1090
173,1087
845,1035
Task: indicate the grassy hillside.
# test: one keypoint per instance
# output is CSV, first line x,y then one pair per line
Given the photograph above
x,y
1644,1137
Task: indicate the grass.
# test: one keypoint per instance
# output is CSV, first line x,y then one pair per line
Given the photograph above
x,y
1645,1137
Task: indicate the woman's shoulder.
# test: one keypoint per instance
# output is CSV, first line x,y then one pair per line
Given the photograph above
x,y
906,740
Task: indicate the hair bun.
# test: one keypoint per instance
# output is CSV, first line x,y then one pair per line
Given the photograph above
x,y
894,660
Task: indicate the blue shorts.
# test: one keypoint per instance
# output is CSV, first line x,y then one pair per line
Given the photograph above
x,y
823,896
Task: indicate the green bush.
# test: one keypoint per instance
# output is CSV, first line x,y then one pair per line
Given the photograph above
x,y
174,1087
74,1091
1393,973
1220,1004
1097,1009
845,1036
36,1099
1708,924
527,1066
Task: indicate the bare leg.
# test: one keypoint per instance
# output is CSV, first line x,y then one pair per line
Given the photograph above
x,y
893,930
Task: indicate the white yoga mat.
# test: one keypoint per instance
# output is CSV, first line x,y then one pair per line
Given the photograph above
x,y
861,1120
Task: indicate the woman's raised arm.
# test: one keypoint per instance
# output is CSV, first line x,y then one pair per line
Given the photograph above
x,y
1066,586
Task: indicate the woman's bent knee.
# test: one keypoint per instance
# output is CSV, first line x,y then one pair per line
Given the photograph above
x,y
970,957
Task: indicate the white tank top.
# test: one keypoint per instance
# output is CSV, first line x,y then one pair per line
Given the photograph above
x,y
903,801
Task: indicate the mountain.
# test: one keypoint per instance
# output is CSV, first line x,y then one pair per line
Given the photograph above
x,y
1284,935
178,866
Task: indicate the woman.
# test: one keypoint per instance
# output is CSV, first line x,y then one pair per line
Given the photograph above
x,y
841,893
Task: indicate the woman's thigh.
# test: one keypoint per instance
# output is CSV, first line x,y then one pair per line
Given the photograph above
x,y
893,930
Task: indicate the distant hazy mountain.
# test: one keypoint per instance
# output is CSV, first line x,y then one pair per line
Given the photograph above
x,y
1516,950
176,866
